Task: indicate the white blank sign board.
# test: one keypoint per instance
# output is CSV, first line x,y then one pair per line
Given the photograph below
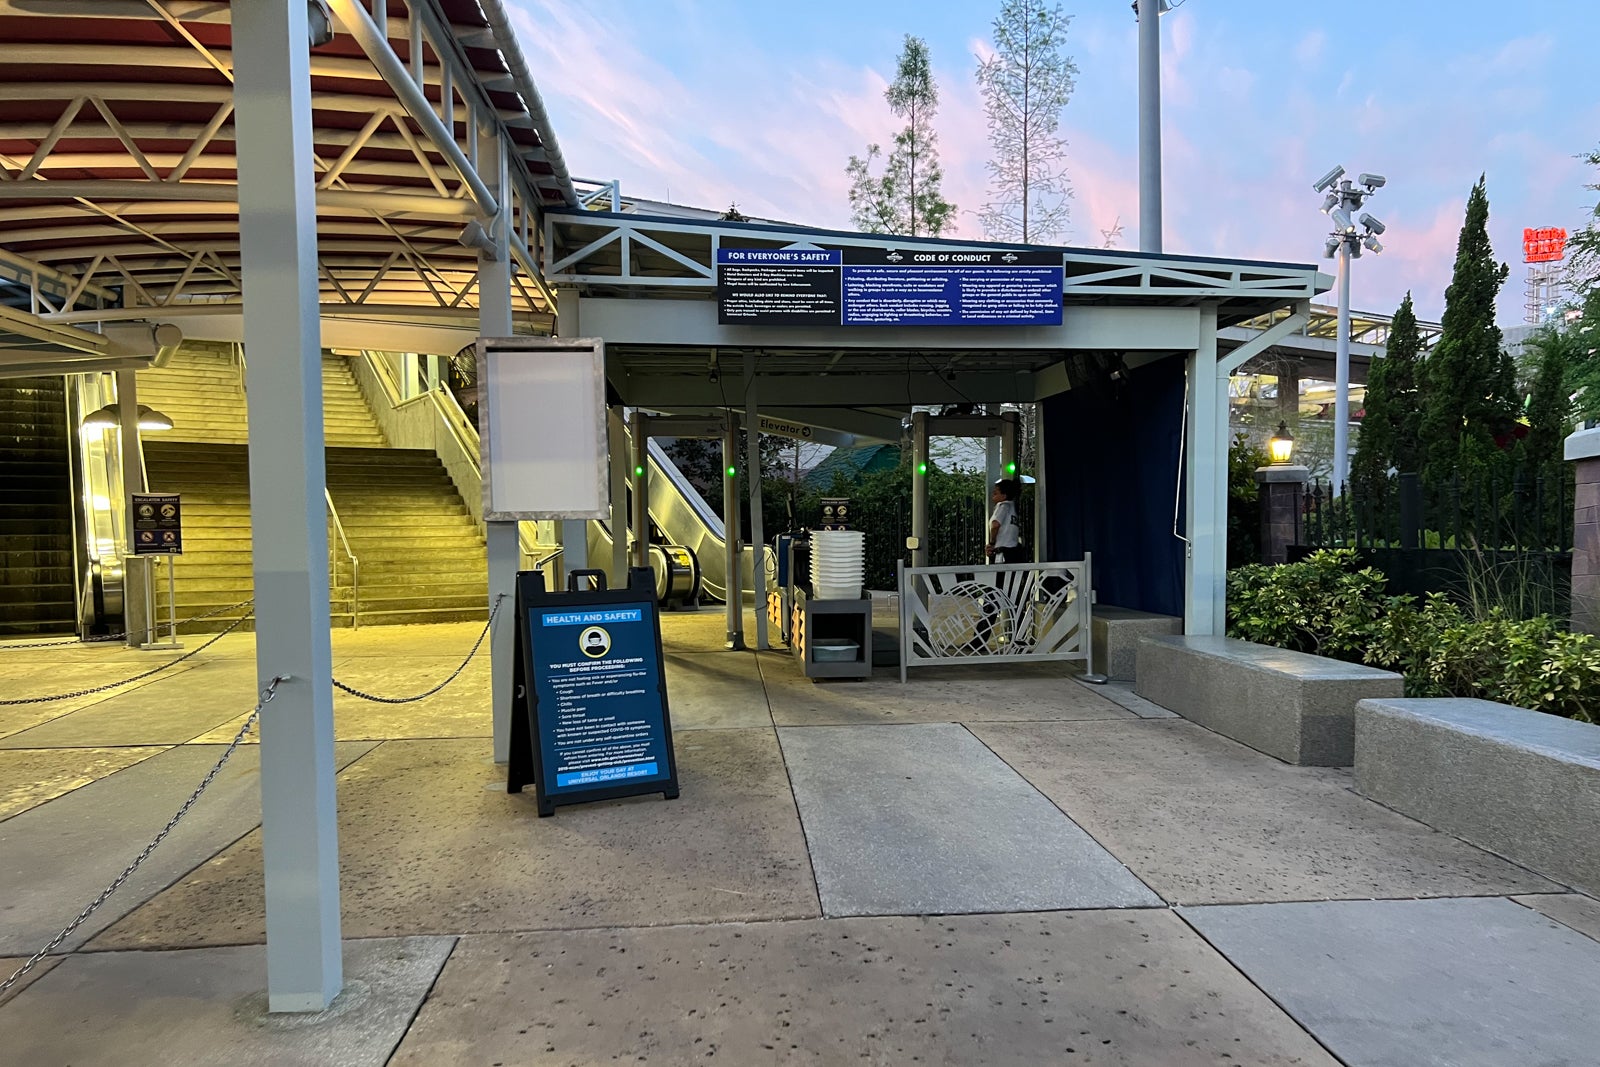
x,y
542,421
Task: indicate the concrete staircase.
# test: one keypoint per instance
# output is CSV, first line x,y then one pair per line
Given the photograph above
x,y
200,390
422,558
37,594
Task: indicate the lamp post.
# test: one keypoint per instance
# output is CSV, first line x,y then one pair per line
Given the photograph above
x,y
1281,496
1280,446
1148,13
1342,204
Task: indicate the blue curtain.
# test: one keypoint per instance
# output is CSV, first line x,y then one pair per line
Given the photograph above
x,y
1112,457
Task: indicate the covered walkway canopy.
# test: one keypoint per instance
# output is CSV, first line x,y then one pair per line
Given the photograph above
x,y
119,177
388,179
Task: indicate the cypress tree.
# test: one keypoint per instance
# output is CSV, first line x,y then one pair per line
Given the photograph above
x,y
1469,382
1553,353
1392,422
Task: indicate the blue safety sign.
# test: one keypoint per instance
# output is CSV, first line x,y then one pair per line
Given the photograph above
x,y
919,286
592,719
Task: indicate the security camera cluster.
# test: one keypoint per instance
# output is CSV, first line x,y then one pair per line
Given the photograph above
x,y
1342,202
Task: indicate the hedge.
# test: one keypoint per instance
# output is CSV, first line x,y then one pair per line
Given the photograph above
x,y
1330,605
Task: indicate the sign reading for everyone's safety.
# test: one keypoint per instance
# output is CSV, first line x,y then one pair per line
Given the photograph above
x,y
157,524
590,720
917,286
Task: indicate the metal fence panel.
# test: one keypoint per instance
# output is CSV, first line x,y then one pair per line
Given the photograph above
x,y
1007,612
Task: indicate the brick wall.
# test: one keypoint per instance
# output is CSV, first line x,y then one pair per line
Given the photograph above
x,y
1586,547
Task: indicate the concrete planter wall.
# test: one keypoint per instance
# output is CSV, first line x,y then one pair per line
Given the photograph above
x,y
1521,783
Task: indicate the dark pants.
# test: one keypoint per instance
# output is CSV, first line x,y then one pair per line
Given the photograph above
x,y
1017,554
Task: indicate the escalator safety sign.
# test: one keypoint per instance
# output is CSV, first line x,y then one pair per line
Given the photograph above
x,y
157,524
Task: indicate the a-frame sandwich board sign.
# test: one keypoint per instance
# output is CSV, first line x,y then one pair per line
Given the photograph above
x,y
589,717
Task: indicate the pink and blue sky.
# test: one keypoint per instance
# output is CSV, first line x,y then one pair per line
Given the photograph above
x,y
707,102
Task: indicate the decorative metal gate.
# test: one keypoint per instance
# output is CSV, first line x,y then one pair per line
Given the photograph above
x,y
1005,611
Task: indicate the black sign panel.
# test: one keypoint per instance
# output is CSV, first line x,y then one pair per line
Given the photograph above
x,y
790,287
836,513
590,718
917,286
157,524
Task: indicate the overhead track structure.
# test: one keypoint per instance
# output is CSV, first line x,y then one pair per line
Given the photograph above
x,y
118,174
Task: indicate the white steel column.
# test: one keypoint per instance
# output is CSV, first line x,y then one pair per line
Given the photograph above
x,y
1205,447
1149,125
731,531
617,438
758,549
504,545
639,471
1341,372
991,459
289,534
919,487
138,598
574,533
1041,498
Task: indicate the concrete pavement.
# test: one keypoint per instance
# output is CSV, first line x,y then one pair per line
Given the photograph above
x,y
1132,889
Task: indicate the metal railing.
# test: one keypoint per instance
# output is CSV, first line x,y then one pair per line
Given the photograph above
x,y
342,540
1001,612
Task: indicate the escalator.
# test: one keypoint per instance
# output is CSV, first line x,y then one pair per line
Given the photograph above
x,y
37,590
684,518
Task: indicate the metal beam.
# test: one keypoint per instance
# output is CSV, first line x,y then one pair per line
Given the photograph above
x,y
34,328
289,535
387,203
1264,340
375,43
672,391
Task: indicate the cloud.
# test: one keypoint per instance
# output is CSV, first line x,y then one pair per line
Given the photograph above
x,y
1309,48
1253,111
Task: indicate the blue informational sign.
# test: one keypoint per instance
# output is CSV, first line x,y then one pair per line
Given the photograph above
x,y
919,286
597,674
592,719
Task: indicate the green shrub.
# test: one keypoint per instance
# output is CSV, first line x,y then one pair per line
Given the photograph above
x,y
1328,605
1321,604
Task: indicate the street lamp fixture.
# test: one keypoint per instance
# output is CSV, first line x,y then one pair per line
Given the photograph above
x,y
1280,446
110,417
1353,231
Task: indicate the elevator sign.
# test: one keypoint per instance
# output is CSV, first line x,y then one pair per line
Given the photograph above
x,y
888,287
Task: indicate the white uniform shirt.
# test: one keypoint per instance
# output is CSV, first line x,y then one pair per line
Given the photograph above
x,y
1010,533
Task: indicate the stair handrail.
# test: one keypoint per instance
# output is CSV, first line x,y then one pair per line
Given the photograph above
x,y
459,426
355,562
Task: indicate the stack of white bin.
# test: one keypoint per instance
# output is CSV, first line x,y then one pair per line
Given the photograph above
x,y
838,564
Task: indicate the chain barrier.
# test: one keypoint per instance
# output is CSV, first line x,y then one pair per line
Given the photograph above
x,y
234,625
493,611
97,639
266,698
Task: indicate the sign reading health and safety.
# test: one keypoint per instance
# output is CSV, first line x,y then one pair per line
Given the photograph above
x,y
595,723
888,287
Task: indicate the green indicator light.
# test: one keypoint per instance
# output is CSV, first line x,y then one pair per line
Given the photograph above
x,y
922,468
1011,468
638,472
733,472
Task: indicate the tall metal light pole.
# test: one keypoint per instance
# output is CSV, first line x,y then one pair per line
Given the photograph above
x,y
1149,14
1341,204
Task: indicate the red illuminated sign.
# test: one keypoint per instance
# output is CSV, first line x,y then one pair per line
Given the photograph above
x,y
1547,245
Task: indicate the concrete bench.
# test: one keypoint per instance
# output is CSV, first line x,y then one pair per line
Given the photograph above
x,y
1518,782
1117,632
1297,707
